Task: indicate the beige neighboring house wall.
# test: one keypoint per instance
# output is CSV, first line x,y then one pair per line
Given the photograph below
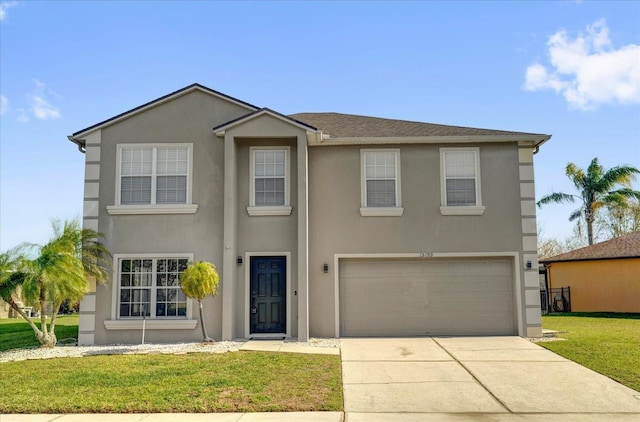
x,y
604,277
317,237
4,309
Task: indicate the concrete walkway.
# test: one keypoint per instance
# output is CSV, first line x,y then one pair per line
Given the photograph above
x,y
286,347
479,378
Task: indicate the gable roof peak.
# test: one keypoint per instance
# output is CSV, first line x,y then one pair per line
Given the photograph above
x,y
76,137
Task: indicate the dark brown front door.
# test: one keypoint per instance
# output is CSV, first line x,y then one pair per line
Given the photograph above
x,y
268,294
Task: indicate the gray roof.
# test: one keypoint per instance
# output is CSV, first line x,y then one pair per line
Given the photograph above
x,y
340,125
625,246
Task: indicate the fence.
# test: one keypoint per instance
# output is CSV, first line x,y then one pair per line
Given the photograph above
x,y
558,300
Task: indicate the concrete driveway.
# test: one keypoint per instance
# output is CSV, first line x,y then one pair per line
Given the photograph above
x,y
481,378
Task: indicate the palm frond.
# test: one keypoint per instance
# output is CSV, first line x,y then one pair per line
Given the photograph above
x,y
96,258
619,175
9,284
576,175
576,214
626,193
556,197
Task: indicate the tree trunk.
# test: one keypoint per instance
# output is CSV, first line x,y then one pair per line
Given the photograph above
x,y
48,340
16,308
43,313
590,218
205,337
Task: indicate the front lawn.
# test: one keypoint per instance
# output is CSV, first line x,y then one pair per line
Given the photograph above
x,y
608,343
17,334
199,382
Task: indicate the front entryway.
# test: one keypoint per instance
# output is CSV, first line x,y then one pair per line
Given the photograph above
x,y
268,287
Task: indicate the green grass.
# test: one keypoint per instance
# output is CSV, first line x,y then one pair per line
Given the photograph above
x,y
199,382
17,334
608,343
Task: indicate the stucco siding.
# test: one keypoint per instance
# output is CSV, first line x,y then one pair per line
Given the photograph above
x,y
336,226
611,285
186,119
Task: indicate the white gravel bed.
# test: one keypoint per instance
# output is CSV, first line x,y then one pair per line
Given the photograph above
x,y
143,349
545,339
119,349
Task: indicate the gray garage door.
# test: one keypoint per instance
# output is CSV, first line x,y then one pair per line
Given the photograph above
x,y
427,297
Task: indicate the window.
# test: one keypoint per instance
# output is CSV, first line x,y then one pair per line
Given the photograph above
x,y
151,286
153,176
460,168
380,183
269,181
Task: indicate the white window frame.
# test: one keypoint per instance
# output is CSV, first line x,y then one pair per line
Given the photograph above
x,y
478,208
152,322
153,208
261,210
367,211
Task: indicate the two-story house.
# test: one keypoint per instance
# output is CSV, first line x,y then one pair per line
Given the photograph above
x,y
320,224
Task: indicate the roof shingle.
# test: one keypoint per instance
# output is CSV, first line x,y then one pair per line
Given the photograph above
x,y
625,246
340,125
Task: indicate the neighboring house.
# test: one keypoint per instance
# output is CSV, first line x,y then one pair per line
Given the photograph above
x,y
4,309
320,224
604,277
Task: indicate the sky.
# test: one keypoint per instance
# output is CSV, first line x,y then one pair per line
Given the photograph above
x,y
566,68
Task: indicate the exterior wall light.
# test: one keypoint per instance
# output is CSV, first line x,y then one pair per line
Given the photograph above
x,y
325,268
239,260
528,265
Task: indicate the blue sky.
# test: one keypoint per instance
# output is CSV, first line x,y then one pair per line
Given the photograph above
x,y
568,68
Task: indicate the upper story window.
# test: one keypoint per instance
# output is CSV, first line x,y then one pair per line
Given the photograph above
x,y
380,183
460,184
269,181
153,179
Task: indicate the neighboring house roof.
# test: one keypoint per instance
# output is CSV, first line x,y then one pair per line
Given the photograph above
x,y
193,87
625,246
219,130
351,126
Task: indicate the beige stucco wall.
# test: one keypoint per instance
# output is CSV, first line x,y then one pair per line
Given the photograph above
x,y
336,226
611,285
189,119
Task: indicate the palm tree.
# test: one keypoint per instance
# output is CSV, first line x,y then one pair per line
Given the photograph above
x,y
596,188
199,280
58,272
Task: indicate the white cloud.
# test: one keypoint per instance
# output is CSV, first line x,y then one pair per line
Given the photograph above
x,y
40,106
588,70
3,8
43,110
4,105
